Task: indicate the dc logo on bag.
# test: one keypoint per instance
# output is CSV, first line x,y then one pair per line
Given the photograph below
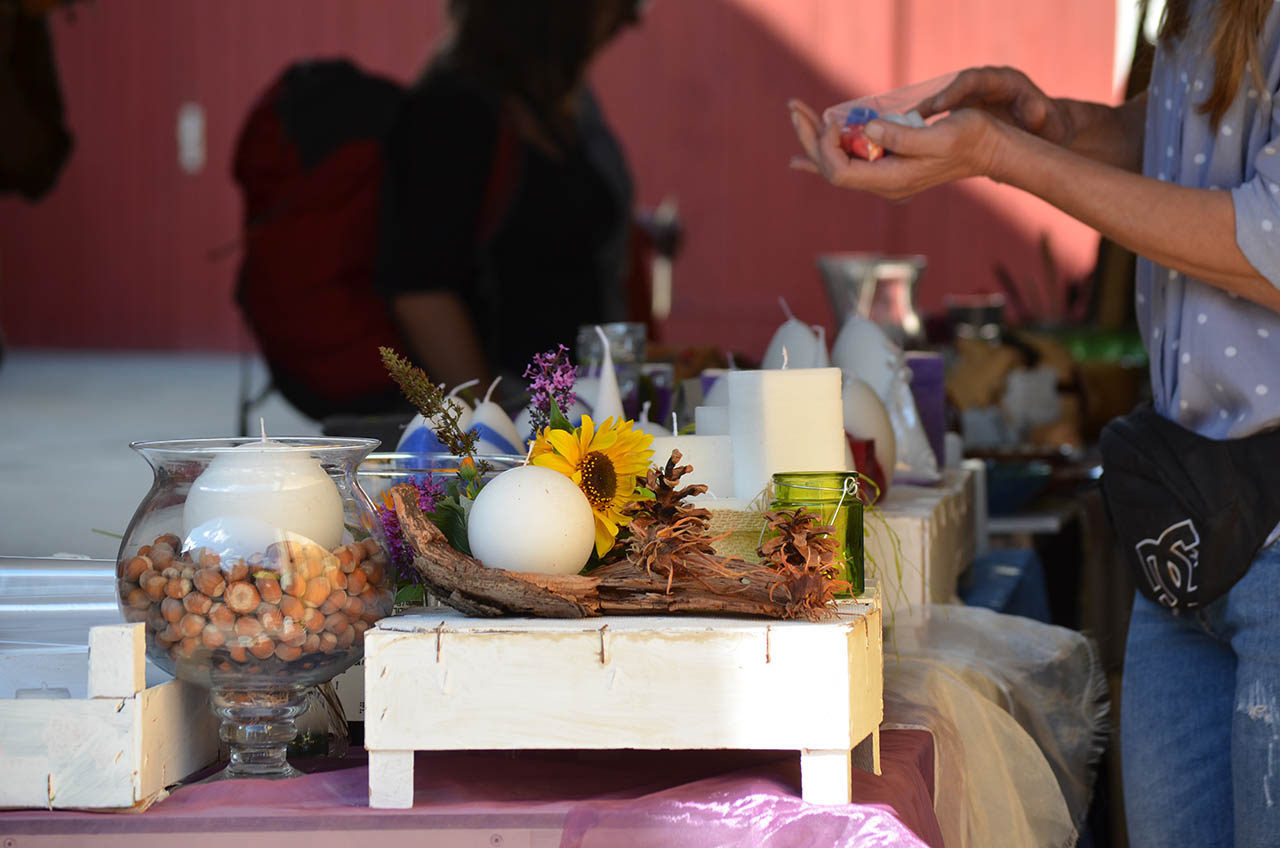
x,y
1170,561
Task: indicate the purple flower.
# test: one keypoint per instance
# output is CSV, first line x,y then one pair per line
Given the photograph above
x,y
430,491
551,375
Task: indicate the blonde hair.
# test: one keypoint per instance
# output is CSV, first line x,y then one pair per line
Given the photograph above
x,y
1237,27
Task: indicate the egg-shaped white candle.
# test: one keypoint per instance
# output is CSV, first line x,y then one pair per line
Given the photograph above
x,y
277,485
866,418
532,519
498,433
802,346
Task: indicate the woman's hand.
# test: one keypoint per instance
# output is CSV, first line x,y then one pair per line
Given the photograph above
x,y
963,144
1009,95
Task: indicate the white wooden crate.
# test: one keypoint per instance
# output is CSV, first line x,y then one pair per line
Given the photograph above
x,y
116,749
936,529
443,681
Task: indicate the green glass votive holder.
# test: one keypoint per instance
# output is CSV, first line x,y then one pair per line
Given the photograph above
x,y
833,495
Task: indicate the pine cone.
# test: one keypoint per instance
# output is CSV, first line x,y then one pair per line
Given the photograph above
x,y
805,553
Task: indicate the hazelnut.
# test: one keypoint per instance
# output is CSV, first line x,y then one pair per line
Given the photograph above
x,y
356,581
248,626
291,607
210,582
337,600
135,567
371,547
337,623
137,599
169,635
292,632
172,610
262,646
212,637
208,559
328,643
168,539
235,570
269,588
312,644
313,620
317,590
288,653
177,587
162,555
373,571
186,649
346,638
353,609
337,579
237,653
241,597
192,624
153,583
272,620
172,573
197,603
346,560
293,583
188,572
222,617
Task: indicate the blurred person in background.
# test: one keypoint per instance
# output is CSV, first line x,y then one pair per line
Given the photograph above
x,y
507,202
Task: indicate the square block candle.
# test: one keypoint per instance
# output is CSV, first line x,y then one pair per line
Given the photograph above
x,y
784,420
710,456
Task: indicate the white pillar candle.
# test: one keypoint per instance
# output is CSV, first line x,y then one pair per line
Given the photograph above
x,y
259,493
711,420
784,420
710,456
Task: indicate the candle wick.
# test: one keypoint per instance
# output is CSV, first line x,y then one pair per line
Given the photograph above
x,y
675,431
644,412
784,357
262,422
786,308
529,453
492,386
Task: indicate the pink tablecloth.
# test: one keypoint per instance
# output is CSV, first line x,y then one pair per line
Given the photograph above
x,y
625,799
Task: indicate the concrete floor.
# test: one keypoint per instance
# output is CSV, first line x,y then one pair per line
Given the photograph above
x,y
66,421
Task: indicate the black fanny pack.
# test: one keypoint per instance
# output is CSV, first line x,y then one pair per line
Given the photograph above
x,y
1191,512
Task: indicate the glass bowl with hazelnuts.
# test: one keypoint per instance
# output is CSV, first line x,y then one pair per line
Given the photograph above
x,y
257,566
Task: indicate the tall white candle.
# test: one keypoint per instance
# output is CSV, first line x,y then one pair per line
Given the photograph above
x,y
259,493
784,420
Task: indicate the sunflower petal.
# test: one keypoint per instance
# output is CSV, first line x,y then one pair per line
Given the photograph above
x,y
566,444
555,462
586,432
604,539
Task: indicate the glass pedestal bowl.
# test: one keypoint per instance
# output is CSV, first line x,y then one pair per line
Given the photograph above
x,y
257,567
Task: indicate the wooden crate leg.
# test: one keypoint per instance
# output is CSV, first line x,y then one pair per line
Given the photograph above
x,y
391,779
825,776
866,755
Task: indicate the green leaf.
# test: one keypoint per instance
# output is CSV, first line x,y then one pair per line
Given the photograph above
x,y
687,430
557,418
411,594
450,517
643,494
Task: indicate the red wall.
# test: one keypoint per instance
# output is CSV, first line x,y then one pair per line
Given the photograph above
x,y
118,256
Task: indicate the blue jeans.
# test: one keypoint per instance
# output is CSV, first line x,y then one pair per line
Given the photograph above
x,y
1200,718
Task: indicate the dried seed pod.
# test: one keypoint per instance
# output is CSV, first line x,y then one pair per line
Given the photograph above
x,y
241,597
212,637
336,623
197,603
312,644
192,624
313,620
346,638
272,620
328,643
248,626
172,610
134,568
153,583
317,590
337,600
262,646
235,570
210,582
177,587
353,609
269,588
291,607
222,617
288,653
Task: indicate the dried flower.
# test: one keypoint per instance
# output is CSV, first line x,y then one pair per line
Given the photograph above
x,y
430,493
551,377
431,402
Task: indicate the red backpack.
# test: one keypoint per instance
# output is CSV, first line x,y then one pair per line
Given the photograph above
x,y
309,162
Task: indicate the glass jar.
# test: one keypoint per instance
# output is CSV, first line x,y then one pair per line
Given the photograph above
x,y
257,567
833,495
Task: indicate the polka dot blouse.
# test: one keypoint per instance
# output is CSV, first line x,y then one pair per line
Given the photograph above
x,y
1215,358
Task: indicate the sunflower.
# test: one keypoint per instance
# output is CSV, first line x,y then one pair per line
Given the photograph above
x,y
605,463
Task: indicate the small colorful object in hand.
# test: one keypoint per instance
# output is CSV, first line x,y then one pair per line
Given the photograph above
x,y
854,141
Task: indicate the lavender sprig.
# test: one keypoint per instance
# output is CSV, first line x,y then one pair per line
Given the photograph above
x,y
551,376
430,493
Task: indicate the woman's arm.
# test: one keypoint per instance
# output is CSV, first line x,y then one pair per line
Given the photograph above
x,y
1189,230
442,336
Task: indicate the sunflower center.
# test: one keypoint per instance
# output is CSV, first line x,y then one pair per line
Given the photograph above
x,y
599,479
